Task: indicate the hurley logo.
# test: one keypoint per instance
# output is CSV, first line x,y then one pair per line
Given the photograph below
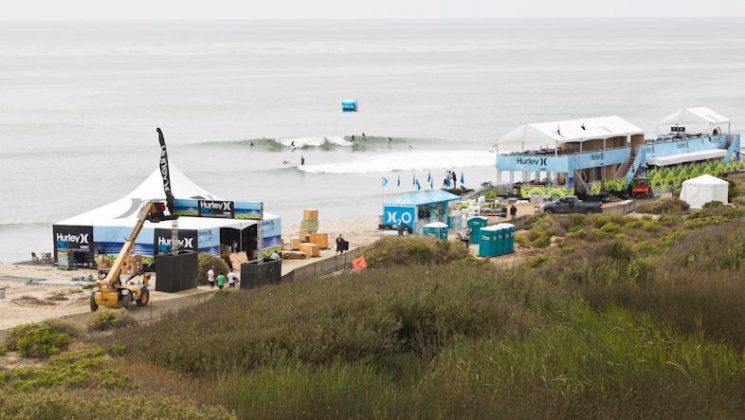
x,y
81,238
532,161
186,243
217,205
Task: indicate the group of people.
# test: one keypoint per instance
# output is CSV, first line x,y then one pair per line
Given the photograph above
x,y
450,176
220,280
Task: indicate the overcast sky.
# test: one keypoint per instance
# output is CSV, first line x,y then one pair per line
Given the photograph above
x,y
340,9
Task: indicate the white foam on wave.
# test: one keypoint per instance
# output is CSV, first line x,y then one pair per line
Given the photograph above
x,y
301,142
406,161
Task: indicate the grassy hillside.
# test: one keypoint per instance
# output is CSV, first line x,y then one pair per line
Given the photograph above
x,y
606,317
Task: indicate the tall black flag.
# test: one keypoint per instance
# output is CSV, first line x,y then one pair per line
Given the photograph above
x,y
164,172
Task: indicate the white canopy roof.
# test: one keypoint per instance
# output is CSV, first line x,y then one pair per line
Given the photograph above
x,y
580,130
695,115
704,189
687,157
696,120
124,212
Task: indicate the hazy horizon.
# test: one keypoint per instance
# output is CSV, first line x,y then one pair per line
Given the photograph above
x,y
382,9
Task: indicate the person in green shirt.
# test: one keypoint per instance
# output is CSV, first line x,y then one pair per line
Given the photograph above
x,y
220,281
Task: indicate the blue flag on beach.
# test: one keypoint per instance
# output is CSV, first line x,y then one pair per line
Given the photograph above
x,y
383,181
418,187
398,180
447,182
462,179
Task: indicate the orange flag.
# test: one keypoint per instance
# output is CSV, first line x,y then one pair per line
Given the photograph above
x,y
359,264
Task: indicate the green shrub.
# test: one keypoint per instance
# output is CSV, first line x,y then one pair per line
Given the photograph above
x,y
542,241
576,222
410,250
3,350
536,261
610,228
95,404
664,206
377,315
109,319
207,261
77,369
40,340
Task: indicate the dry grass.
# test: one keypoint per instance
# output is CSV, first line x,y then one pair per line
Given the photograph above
x,y
26,300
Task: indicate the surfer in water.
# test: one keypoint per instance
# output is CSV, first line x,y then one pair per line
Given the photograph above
x,y
302,160
285,162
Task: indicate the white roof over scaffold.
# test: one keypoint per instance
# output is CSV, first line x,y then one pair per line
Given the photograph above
x,y
699,115
579,130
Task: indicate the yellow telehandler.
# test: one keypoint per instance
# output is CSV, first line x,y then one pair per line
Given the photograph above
x,y
111,292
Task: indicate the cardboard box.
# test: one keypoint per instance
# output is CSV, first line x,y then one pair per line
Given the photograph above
x,y
320,239
296,243
310,214
311,249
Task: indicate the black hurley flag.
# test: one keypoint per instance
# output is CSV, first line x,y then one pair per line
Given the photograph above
x,y
164,172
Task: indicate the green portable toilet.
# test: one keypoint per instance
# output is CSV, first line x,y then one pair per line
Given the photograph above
x,y
510,237
437,229
487,241
475,224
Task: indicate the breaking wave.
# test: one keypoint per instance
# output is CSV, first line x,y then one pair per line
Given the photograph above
x,y
284,143
406,161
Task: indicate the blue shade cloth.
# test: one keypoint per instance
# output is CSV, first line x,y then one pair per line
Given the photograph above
x,y
423,197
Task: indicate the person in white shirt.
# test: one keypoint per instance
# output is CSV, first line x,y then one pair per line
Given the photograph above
x,y
211,277
231,280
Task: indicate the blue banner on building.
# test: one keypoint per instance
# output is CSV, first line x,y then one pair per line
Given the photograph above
x,y
399,215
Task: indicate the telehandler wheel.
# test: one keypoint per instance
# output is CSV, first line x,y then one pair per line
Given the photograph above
x,y
144,297
94,305
126,301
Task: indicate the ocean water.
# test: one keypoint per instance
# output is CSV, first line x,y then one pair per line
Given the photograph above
x,y
79,103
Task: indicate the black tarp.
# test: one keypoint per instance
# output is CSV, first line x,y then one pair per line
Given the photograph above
x,y
175,273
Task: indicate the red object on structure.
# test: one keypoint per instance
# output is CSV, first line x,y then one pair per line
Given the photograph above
x,y
641,188
359,264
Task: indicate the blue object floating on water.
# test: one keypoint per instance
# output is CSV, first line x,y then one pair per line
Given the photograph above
x,y
349,105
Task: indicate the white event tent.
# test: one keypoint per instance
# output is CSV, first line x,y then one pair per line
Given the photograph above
x,y
704,189
698,120
107,227
552,134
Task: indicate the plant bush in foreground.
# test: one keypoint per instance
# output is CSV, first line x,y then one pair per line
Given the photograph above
x,y
91,404
109,319
409,250
207,261
40,340
664,206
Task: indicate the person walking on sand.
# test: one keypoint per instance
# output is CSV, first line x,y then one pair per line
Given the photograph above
x,y
220,281
231,280
513,211
211,277
339,244
401,229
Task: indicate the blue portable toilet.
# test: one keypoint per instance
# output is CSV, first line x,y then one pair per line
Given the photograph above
x,y
437,229
510,237
349,105
475,224
488,241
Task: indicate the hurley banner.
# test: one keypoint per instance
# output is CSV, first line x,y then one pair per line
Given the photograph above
x,y
244,210
164,172
75,238
188,240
